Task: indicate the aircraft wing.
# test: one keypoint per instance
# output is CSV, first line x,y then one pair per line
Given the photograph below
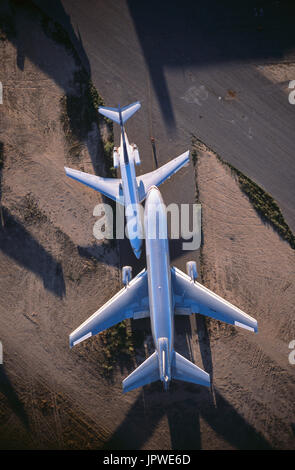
x,y
192,297
129,302
110,187
157,177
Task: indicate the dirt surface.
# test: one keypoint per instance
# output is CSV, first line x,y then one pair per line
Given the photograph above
x,y
281,73
45,267
53,397
246,262
278,73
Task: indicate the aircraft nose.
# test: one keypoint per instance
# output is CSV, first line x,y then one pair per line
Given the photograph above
x,y
154,196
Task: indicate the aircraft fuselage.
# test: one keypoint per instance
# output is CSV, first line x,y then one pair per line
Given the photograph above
x,y
159,281
130,192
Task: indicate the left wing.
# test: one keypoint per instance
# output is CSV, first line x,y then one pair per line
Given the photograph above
x,y
192,297
129,302
110,187
157,177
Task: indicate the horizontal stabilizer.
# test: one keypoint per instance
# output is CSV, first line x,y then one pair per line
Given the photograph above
x,y
183,369
110,187
146,373
114,113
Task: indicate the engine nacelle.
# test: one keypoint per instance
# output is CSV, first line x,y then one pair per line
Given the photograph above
x,y
116,157
135,154
191,269
126,275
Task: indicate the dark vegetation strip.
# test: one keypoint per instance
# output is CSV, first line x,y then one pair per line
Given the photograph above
x,y
263,203
78,115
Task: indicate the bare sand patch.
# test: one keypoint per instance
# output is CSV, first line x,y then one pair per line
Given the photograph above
x,y
246,262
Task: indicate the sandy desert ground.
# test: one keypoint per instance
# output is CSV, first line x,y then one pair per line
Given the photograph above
x,y
52,279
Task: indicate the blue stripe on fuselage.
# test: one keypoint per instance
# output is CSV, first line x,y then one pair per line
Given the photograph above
x,y
130,192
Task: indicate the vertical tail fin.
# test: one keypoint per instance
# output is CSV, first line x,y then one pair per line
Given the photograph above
x,y
114,113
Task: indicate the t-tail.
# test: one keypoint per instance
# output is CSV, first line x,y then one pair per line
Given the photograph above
x,y
120,116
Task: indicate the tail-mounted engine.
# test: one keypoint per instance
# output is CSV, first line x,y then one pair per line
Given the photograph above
x,y
126,275
116,157
135,154
191,269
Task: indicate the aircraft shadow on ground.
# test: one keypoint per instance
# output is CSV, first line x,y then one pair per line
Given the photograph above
x,y
69,68
184,406
17,243
100,252
14,402
55,10
187,33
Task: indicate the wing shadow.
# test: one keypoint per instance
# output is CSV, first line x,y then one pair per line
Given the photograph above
x,y
17,243
184,33
14,402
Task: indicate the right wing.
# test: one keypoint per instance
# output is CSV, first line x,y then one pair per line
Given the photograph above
x,y
157,177
129,302
110,187
192,297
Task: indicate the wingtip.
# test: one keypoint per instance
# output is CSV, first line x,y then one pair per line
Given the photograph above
x,y
253,328
208,382
185,156
125,389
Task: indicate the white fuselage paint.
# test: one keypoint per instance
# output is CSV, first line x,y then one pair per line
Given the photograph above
x,y
159,282
130,192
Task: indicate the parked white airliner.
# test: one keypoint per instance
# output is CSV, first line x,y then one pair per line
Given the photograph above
x,y
160,292
129,190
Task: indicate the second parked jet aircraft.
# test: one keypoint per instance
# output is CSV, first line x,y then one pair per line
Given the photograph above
x,y
160,292
129,190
